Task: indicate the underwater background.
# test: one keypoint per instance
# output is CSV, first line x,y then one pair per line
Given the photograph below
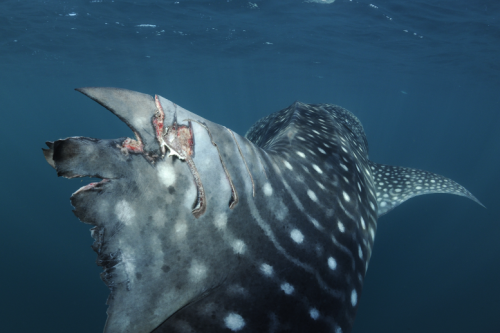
x,y
423,76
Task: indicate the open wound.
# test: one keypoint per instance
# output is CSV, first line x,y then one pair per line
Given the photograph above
x,y
179,141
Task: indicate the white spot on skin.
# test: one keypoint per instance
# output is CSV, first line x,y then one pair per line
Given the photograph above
x,y
266,269
301,154
268,190
346,196
128,261
314,313
321,186
238,246
236,289
234,322
287,288
312,195
124,212
297,236
360,252
166,173
341,226
288,165
332,263
315,223
363,223
197,271
220,221
181,229
281,211
354,297
317,168
321,150
372,233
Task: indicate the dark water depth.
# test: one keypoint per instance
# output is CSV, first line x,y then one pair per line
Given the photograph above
x,y
422,76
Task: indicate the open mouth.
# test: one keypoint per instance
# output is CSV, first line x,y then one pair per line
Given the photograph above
x,y
135,198
57,156
79,157
92,186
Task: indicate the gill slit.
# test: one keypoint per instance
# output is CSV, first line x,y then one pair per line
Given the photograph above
x,y
234,195
244,161
201,206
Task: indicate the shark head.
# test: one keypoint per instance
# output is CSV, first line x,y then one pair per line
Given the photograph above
x,y
199,229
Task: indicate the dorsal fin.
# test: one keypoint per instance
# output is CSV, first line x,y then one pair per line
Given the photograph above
x,y
396,184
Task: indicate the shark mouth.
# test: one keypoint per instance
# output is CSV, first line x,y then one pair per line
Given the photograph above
x,y
115,163
141,193
80,157
92,186
49,156
64,155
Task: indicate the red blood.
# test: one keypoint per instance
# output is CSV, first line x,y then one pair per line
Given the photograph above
x,y
133,146
158,124
185,139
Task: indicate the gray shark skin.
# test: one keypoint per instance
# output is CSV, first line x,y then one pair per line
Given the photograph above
x,y
199,229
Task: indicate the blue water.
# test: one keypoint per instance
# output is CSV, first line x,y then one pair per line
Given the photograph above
x,y
423,76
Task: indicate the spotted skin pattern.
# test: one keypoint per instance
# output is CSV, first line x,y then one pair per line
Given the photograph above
x,y
396,185
315,268
316,158
290,256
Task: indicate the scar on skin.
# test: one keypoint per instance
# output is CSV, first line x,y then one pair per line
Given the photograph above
x,y
179,140
244,161
234,195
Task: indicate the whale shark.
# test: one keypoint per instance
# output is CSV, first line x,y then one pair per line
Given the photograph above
x,y
199,229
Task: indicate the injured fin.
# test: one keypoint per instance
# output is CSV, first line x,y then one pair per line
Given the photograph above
x,y
396,184
134,108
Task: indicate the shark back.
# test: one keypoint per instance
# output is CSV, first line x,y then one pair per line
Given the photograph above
x,y
201,230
